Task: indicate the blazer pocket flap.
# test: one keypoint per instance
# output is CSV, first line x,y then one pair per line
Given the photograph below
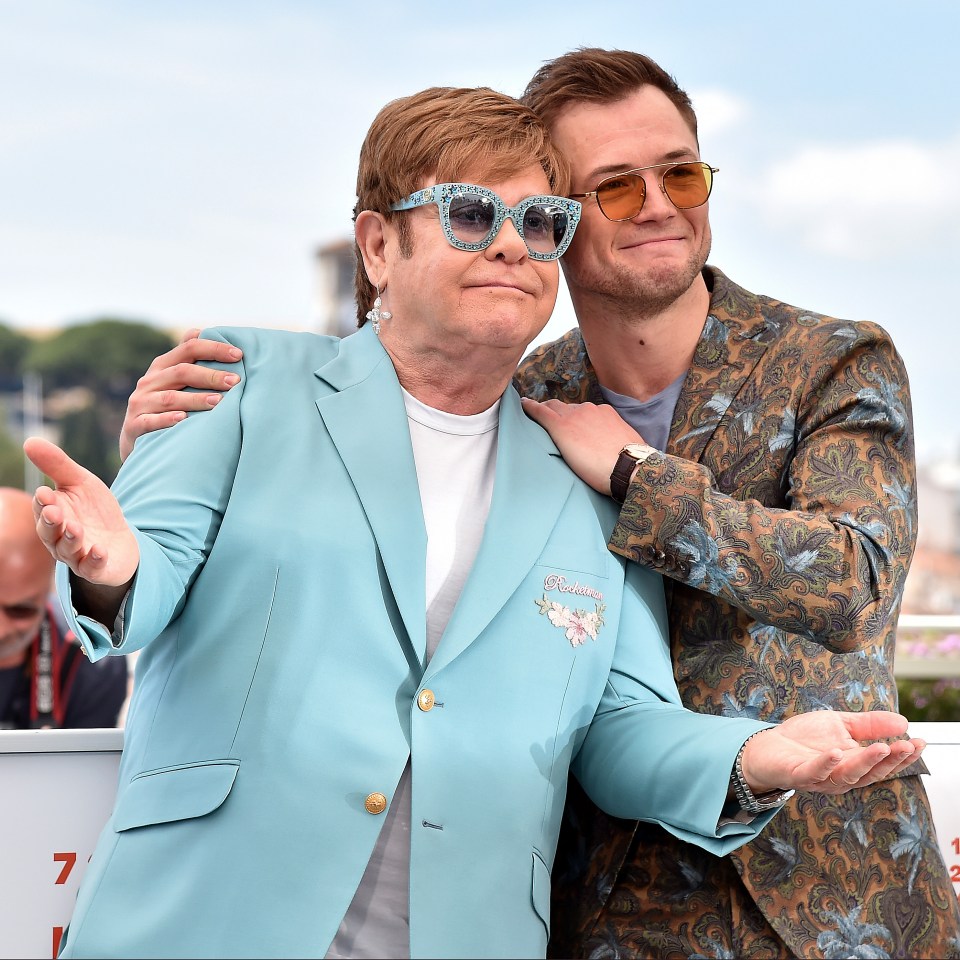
x,y
174,793
576,559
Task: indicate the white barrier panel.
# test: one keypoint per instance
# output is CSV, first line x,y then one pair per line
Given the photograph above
x,y
943,788
56,792
57,789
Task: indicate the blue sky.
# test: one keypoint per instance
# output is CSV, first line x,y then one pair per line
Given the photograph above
x,y
180,162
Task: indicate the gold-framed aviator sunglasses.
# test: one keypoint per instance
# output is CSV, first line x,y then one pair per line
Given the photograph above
x,y
620,197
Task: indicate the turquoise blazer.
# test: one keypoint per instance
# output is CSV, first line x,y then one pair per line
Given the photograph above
x,y
280,610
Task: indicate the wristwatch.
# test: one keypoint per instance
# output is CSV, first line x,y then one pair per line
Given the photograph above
x,y
748,800
630,456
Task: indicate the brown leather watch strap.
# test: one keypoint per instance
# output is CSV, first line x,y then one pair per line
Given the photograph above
x,y
626,463
620,478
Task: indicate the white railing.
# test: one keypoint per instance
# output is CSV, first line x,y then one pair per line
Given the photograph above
x,y
928,646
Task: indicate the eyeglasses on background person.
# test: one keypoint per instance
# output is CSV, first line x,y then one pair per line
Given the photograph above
x,y
21,611
621,196
472,216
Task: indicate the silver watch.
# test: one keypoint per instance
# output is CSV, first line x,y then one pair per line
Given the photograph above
x,y
748,800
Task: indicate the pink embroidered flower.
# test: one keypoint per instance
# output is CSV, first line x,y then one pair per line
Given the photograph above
x,y
576,624
579,628
558,614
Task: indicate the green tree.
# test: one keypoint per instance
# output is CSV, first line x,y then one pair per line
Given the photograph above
x,y
14,347
84,437
11,461
107,355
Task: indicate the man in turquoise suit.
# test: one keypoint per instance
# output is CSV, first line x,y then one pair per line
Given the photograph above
x,y
378,620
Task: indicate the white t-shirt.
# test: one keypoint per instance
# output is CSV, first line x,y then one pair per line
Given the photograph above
x,y
456,458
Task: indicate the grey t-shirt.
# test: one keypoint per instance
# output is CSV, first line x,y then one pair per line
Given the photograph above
x,y
650,418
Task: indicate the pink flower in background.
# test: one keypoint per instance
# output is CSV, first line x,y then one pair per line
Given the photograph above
x,y
949,644
924,649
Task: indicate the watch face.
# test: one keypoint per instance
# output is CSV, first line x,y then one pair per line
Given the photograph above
x,y
637,449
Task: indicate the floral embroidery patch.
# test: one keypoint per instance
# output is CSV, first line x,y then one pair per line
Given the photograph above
x,y
576,624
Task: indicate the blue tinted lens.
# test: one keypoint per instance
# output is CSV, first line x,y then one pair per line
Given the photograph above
x,y
544,227
472,217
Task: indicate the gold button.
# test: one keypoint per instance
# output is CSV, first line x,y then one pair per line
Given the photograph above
x,y
426,700
375,803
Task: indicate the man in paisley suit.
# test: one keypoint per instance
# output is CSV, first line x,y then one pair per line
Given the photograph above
x,y
764,458
769,478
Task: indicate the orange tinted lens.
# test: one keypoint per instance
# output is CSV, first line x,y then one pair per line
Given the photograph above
x,y
621,197
688,184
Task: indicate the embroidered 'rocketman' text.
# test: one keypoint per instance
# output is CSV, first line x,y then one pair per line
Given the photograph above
x,y
555,581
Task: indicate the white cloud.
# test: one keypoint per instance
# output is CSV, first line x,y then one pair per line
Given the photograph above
x,y
867,200
718,112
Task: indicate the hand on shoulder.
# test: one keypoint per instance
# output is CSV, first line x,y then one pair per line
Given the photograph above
x,y
162,398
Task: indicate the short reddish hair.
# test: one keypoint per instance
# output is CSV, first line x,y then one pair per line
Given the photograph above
x,y
594,75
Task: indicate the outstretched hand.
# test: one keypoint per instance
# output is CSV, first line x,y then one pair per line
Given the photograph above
x,y
80,522
821,751
161,399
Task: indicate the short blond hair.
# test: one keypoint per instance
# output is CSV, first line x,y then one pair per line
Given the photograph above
x,y
446,132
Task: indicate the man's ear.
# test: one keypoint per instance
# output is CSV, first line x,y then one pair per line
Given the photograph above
x,y
370,230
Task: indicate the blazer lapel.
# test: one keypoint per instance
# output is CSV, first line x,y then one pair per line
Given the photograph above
x,y
734,338
367,422
530,489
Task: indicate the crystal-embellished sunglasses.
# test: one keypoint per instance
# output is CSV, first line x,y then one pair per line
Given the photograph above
x,y
472,216
621,196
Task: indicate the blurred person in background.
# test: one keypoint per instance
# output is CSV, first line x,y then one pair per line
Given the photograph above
x,y
45,680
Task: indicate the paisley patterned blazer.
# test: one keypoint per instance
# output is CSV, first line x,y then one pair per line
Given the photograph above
x,y
783,517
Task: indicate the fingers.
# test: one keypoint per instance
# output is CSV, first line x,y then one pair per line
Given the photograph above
x,y
869,764
48,516
65,542
161,397
162,386
62,537
177,369
178,376
41,498
193,348
155,401
97,547
902,754
532,409
858,765
49,459
536,411
823,751
541,408
874,724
